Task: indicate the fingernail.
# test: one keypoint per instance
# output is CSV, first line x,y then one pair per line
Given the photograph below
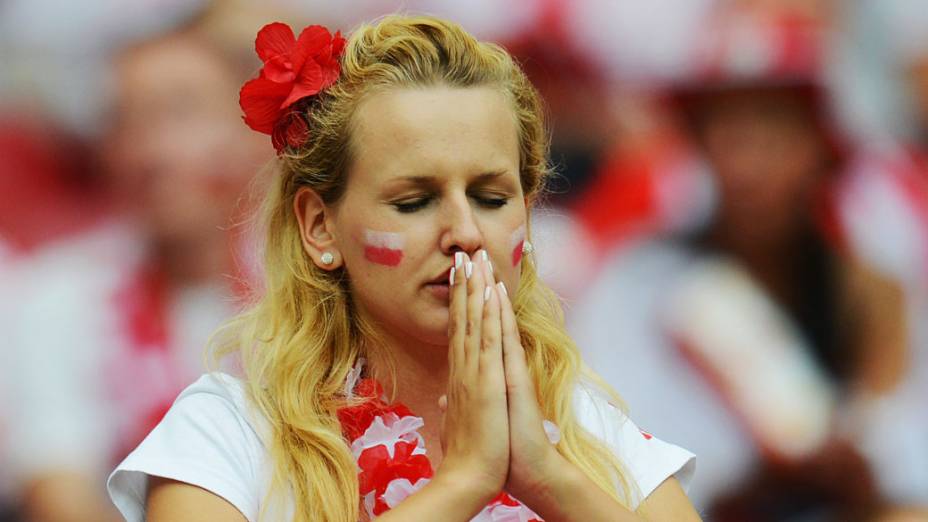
x,y
483,254
486,293
458,259
489,264
502,288
468,269
451,277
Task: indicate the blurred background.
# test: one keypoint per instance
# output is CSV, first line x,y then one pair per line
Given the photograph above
x,y
738,228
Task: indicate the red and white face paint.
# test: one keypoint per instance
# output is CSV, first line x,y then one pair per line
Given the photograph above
x,y
383,248
516,243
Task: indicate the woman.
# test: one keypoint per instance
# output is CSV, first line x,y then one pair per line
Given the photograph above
x,y
396,226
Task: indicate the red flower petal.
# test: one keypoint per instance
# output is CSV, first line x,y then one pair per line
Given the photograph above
x,y
274,40
338,44
292,131
378,469
308,84
312,40
261,100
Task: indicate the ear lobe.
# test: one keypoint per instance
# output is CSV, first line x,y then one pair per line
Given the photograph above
x,y
316,232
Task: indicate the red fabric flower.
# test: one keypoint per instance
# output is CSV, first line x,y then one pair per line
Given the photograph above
x,y
378,468
356,419
294,68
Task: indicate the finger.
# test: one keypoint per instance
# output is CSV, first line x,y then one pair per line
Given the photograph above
x,y
484,258
491,346
519,383
476,286
457,312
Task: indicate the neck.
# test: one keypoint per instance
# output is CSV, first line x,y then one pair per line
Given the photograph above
x,y
420,373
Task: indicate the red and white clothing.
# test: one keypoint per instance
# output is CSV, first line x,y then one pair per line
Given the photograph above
x,y
212,438
98,352
881,210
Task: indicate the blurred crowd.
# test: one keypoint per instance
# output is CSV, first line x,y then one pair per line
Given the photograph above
x,y
738,226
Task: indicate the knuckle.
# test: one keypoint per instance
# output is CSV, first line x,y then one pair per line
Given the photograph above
x,y
471,326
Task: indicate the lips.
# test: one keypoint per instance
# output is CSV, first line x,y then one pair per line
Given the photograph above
x,y
441,279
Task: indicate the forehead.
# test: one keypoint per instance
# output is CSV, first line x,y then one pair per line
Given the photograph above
x,y
434,131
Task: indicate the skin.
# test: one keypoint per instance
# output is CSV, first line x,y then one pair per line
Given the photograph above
x,y
459,362
175,142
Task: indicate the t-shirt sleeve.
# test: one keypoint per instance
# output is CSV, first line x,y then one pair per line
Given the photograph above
x,y
205,440
648,460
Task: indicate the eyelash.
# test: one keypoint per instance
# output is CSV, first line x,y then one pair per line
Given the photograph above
x,y
415,205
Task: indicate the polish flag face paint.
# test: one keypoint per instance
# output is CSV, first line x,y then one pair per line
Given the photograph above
x,y
383,248
516,242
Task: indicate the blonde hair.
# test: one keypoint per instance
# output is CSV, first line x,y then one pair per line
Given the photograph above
x,y
301,338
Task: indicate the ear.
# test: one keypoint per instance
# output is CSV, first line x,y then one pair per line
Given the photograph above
x,y
316,228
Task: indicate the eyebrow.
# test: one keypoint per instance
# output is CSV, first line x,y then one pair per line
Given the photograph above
x,y
433,180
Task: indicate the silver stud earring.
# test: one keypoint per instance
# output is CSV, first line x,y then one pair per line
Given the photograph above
x,y
327,258
527,247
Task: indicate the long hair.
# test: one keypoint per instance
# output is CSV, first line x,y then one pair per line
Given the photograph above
x,y
300,339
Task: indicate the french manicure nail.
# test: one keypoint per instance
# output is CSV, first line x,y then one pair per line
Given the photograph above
x,y
458,259
502,287
486,293
451,277
468,269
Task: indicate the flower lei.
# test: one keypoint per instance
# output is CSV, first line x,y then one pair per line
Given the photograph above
x,y
391,457
294,70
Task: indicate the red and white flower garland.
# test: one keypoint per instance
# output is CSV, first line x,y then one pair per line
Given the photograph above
x,y
390,452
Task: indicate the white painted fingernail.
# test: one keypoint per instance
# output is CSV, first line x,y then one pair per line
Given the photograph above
x,y
468,269
486,293
483,254
451,277
502,288
458,259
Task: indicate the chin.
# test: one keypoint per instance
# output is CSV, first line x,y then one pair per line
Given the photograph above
x,y
431,327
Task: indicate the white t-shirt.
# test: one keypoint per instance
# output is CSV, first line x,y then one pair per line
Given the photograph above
x,y
212,438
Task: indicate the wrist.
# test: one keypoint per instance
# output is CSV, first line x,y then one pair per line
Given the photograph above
x,y
465,488
557,485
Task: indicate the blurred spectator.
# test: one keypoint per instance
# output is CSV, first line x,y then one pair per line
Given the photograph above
x,y
882,215
117,317
760,326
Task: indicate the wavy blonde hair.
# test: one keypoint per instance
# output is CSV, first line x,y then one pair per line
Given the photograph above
x,y
300,339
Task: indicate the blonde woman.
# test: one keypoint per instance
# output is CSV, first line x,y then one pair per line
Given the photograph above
x,y
403,361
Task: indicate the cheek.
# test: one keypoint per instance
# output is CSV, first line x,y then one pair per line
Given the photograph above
x,y
516,242
383,248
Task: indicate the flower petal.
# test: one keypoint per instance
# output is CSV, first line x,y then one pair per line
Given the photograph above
x,y
308,83
312,40
260,100
274,40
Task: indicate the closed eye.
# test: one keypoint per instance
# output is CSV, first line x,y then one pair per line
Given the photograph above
x,y
407,207
414,205
492,202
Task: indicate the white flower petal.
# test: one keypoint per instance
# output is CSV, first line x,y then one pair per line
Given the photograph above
x,y
398,489
388,430
552,431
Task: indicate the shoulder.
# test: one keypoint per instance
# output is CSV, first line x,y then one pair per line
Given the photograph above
x,y
647,460
210,438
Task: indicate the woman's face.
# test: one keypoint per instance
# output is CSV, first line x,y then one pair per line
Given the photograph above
x,y
435,171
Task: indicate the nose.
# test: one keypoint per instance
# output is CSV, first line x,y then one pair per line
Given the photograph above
x,y
460,229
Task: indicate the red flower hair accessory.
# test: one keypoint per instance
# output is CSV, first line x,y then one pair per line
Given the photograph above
x,y
294,69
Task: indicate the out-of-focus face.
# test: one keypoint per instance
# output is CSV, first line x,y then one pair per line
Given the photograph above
x,y
767,156
436,171
179,154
